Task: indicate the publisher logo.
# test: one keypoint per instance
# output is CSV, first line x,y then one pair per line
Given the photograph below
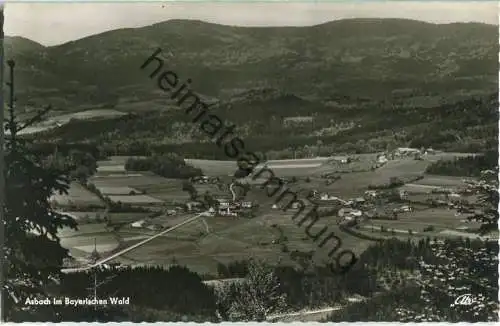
x,y
465,300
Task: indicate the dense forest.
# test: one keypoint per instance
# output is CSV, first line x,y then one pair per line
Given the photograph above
x,y
168,165
386,273
465,166
465,126
432,275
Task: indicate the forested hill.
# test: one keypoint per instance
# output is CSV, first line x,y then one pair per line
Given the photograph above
x,y
466,126
354,59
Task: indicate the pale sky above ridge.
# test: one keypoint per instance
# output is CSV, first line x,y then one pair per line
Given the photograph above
x,y
56,23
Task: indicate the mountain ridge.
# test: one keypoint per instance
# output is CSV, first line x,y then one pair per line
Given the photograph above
x,y
258,27
373,59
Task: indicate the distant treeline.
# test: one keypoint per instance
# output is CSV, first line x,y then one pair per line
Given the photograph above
x,y
470,166
44,148
167,165
466,126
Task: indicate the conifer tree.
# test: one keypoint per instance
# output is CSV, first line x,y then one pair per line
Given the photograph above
x,y
32,249
259,296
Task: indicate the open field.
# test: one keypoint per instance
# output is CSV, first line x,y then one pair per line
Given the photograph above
x,y
81,216
77,195
114,164
442,181
308,167
85,115
135,199
439,218
229,239
57,120
214,168
116,218
234,239
117,190
414,188
83,230
82,245
135,180
272,235
110,168
154,188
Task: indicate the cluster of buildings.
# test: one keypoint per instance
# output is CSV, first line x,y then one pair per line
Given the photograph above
x,y
402,152
325,197
223,207
355,209
227,207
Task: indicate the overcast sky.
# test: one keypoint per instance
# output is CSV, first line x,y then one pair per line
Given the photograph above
x,y
55,23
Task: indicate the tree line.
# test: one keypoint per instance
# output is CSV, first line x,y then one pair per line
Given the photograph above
x,y
167,165
158,132
470,166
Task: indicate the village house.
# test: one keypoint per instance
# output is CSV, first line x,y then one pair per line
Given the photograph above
x,y
138,224
246,204
403,209
429,151
349,216
342,159
227,212
349,213
326,197
223,203
382,159
171,212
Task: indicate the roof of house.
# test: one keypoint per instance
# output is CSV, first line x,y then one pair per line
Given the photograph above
x,y
138,223
349,211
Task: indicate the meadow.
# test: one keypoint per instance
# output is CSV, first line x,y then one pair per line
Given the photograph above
x,y
77,196
271,235
57,119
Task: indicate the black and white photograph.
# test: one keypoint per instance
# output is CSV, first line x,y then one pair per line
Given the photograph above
x,y
303,161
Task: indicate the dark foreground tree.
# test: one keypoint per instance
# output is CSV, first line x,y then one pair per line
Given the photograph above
x,y
487,190
32,250
259,296
440,274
